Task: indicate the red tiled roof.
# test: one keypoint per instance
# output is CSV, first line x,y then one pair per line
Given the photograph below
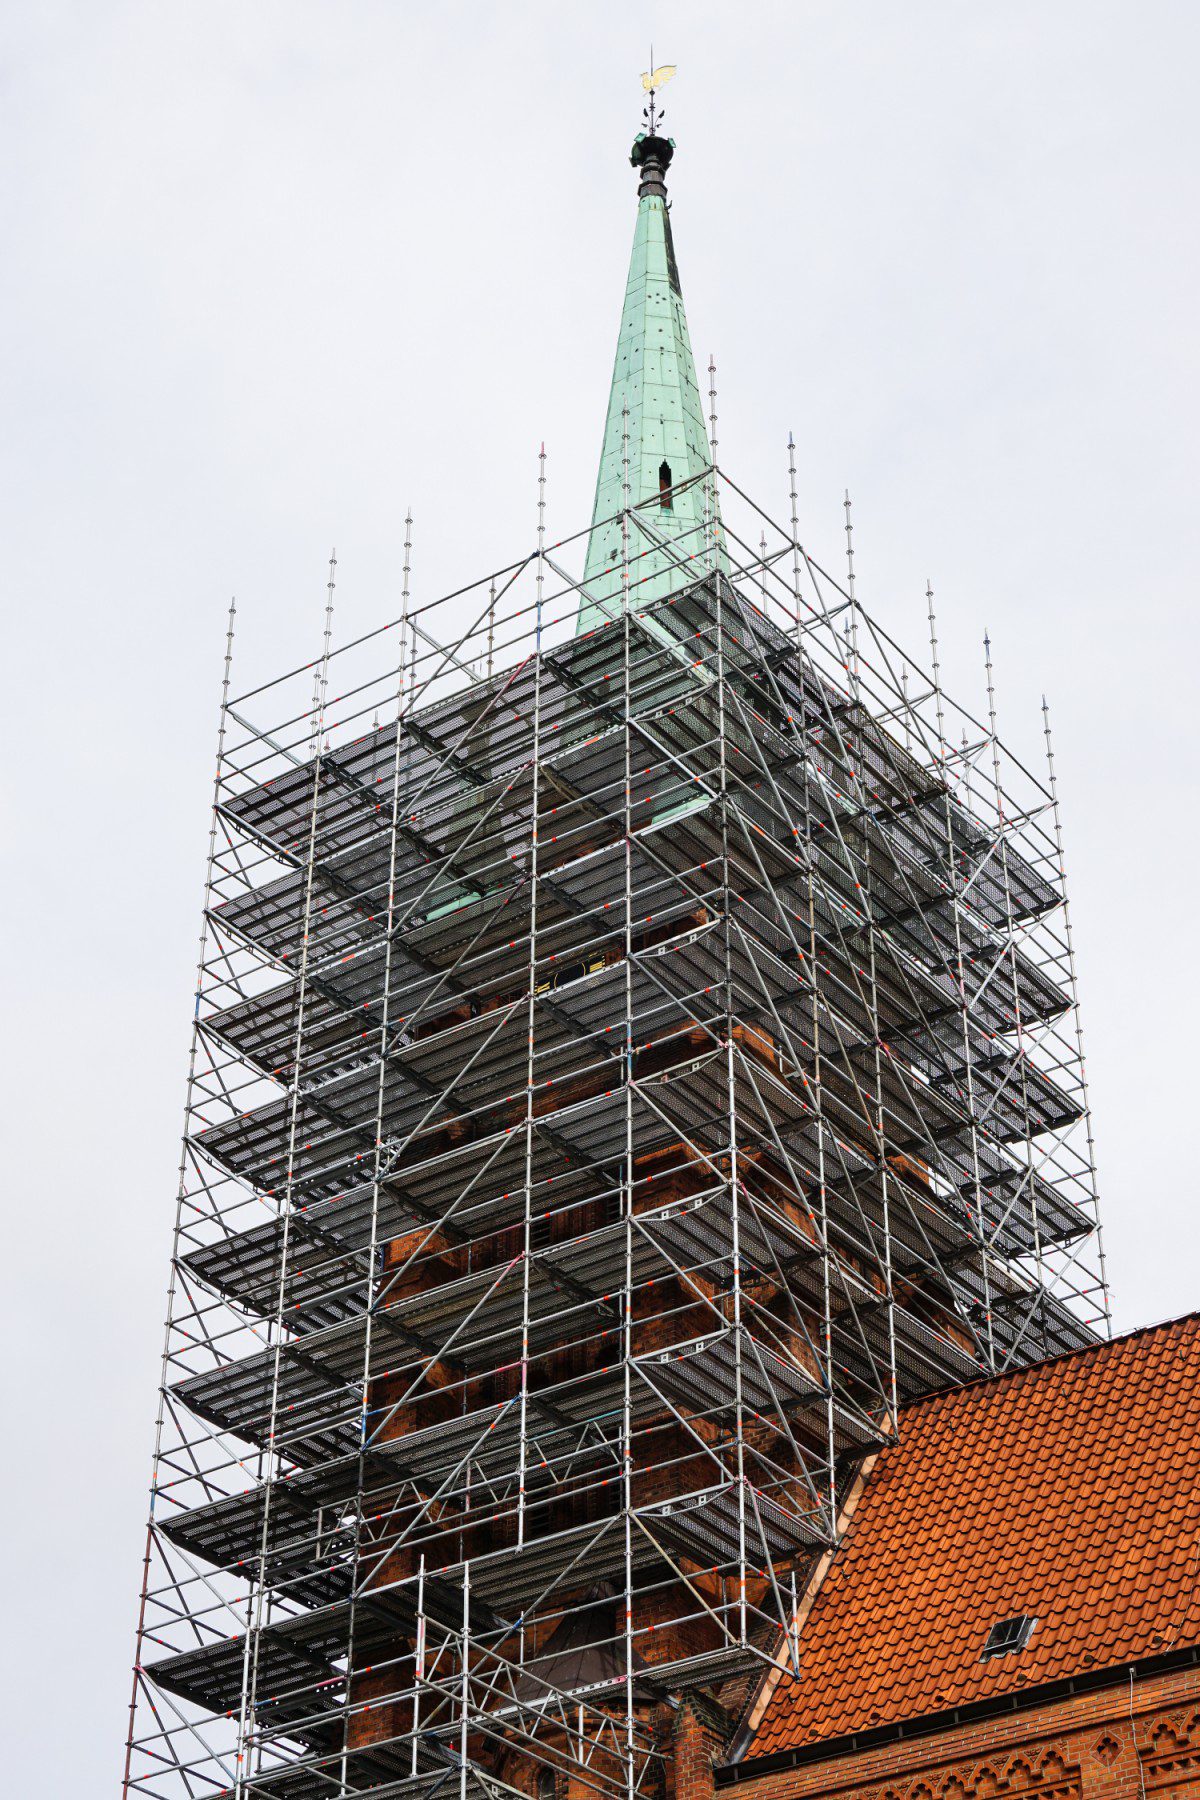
x,y
1067,1491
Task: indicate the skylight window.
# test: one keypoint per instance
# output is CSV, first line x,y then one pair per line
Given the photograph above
x,y
1008,1635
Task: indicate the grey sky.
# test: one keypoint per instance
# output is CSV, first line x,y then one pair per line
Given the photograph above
x,y
273,271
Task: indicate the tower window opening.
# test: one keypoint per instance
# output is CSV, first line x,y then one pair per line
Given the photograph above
x,y
666,498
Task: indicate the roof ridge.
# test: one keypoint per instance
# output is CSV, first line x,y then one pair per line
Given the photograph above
x,y
952,1389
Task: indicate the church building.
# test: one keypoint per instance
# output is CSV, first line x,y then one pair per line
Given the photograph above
x,y
637,1319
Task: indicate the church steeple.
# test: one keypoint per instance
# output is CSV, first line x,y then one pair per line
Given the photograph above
x,y
654,377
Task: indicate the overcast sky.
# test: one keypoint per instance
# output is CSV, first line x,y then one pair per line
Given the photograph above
x,y
274,271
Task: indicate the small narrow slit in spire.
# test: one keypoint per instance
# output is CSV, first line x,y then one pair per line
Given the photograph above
x,y
666,498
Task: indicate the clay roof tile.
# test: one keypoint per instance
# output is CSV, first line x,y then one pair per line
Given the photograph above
x,y
1063,1490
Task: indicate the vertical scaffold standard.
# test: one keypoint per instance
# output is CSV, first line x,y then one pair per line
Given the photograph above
x,y
629,1063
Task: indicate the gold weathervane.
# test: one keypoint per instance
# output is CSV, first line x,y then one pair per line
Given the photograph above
x,y
652,79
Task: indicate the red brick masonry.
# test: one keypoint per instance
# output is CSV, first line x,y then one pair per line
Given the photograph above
x,y
1107,1744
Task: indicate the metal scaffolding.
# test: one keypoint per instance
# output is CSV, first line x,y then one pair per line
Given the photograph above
x,y
628,1064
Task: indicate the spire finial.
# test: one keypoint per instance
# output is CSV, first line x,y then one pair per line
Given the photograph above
x,y
651,151
652,80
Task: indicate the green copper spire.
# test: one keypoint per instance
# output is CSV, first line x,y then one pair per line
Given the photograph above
x,y
656,397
